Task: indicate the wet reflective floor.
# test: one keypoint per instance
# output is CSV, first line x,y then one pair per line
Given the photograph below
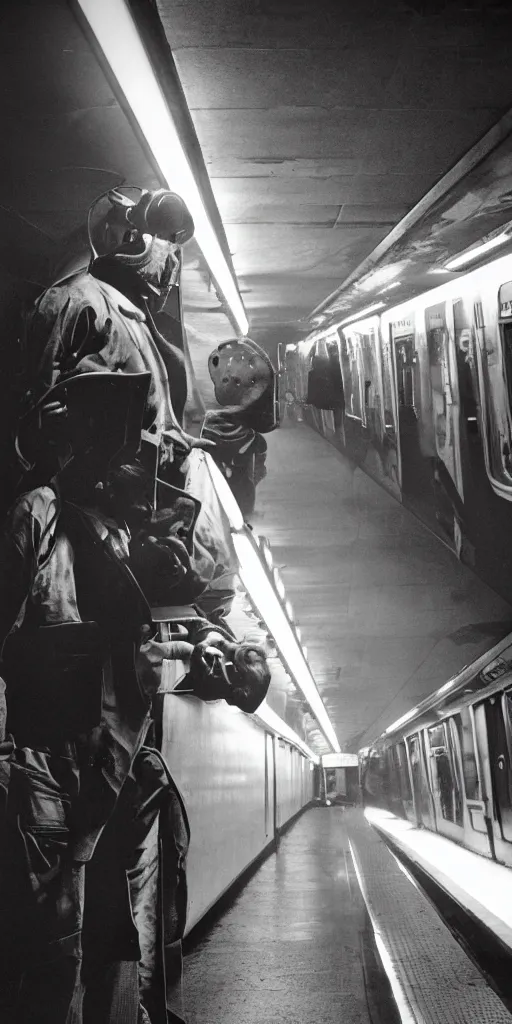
x,y
297,944
331,930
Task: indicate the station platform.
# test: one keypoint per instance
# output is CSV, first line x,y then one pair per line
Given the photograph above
x,y
480,886
331,930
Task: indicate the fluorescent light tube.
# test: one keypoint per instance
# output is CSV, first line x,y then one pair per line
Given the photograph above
x,y
118,37
362,313
257,584
379,277
225,495
473,254
402,720
389,287
269,717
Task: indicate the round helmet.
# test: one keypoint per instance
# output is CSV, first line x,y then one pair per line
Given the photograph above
x,y
240,371
244,378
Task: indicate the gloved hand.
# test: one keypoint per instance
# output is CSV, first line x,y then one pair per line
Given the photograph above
x,y
156,652
181,439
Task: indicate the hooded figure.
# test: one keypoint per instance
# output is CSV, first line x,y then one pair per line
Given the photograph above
x,y
71,619
102,319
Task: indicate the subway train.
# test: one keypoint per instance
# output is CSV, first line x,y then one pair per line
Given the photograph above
x,y
446,766
420,397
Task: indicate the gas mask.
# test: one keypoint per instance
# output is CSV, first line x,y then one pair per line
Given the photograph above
x,y
241,372
143,232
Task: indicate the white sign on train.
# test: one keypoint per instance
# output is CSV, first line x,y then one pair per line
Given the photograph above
x,y
402,327
339,761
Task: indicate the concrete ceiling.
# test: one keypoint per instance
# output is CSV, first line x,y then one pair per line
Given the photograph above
x,y
322,124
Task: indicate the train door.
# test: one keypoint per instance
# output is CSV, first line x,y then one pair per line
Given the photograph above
x,y
445,422
505,303
415,473
404,779
477,827
445,392
446,779
270,788
498,717
420,791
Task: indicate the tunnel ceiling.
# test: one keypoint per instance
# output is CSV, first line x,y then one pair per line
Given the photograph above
x,y
322,124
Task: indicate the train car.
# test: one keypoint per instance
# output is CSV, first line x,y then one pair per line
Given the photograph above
x,y
446,766
424,404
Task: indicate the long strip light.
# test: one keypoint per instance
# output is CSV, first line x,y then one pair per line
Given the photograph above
x,y
269,718
362,313
236,521
118,37
402,720
225,495
257,584
473,254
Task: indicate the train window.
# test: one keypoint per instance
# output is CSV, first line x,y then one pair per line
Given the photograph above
x,y
353,374
445,775
403,772
466,371
494,365
498,710
464,725
388,400
444,389
406,362
419,785
507,359
325,384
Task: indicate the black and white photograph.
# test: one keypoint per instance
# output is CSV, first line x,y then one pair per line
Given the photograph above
x,y
256,512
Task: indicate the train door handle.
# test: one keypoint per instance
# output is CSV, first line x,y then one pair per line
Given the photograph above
x,y
501,762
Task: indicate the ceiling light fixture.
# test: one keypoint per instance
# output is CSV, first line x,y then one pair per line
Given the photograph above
x,y
402,720
118,37
379,277
269,718
257,583
447,686
261,593
389,287
279,585
362,313
225,495
473,254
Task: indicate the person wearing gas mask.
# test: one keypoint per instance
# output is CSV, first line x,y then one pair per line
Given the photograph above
x,y
71,619
102,319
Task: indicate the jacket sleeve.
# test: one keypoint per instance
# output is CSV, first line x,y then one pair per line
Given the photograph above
x,y
63,337
20,548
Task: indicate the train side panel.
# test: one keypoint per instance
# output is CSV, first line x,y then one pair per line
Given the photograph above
x,y
425,408
223,764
